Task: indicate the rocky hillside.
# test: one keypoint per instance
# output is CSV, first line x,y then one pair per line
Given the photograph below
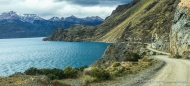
x,y
14,25
180,32
116,52
138,20
74,33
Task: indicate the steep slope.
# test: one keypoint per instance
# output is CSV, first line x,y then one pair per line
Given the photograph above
x,y
180,32
138,20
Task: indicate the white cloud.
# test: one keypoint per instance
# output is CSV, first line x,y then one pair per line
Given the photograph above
x,y
50,8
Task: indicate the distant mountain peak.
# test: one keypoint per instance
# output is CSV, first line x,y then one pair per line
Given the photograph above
x,y
10,12
93,18
56,19
9,15
72,16
30,18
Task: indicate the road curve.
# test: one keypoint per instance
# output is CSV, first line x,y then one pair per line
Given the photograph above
x,y
176,72
149,47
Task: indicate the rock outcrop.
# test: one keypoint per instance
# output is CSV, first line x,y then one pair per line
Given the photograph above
x,y
116,52
180,32
74,33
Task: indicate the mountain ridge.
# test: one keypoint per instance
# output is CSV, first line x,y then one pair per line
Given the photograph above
x,y
140,19
15,25
31,17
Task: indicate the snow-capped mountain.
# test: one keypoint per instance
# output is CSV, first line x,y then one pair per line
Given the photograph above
x,y
93,18
30,18
9,15
77,20
15,25
72,19
22,17
55,19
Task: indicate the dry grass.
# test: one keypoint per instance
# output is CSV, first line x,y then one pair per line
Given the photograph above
x,y
117,31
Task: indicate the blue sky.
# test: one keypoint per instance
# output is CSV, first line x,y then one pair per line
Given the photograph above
x,y
62,8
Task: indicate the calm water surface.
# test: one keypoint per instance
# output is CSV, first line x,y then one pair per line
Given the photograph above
x,y
17,55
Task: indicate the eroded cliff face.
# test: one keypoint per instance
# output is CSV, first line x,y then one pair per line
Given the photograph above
x,y
116,52
180,32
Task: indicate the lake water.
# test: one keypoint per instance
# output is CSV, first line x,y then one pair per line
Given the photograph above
x,y
17,55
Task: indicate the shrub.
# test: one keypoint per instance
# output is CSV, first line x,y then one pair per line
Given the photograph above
x,y
83,67
52,76
31,71
100,74
115,73
146,59
127,71
88,79
132,57
154,53
59,73
119,71
116,64
177,56
144,53
70,72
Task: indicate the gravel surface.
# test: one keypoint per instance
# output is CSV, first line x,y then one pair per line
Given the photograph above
x,y
133,79
176,72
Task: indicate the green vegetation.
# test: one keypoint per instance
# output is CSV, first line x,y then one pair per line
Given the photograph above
x,y
55,73
116,64
100,74
70,72
177,56
118,71
146,59
132,57
95,75
88,79
132,64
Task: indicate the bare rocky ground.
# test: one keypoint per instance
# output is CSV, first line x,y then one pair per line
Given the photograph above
x,y
176,72
20,79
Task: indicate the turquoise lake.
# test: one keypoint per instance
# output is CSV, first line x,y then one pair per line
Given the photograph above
x,y
17,55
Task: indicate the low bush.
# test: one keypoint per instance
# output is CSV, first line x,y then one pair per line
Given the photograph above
x,y
132,57
146,59
154,53
116,64
32,71
55,73
88,79
118,72
100,74
70,72
177,56
52,76
82,68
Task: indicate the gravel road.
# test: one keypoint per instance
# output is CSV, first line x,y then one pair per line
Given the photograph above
x,y
176,72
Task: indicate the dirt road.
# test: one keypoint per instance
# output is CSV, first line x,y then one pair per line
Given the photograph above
x,y
176,72
149,47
